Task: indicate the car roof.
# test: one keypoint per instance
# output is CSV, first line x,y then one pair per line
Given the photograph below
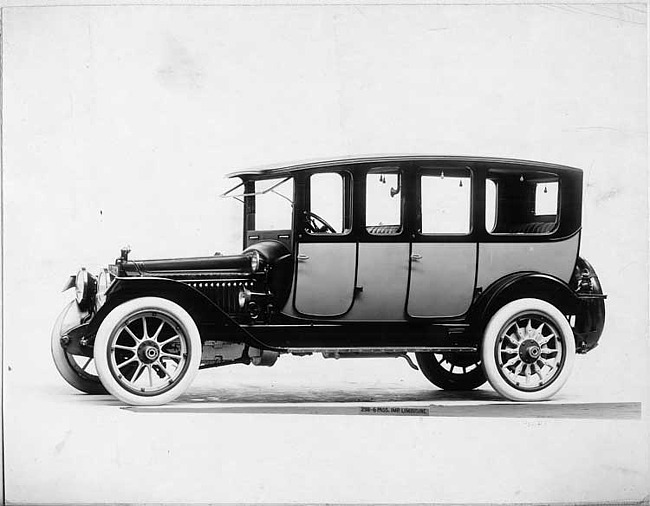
x,y
286,169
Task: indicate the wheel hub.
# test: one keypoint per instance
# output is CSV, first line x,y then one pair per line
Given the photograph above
x,y
529,351
148,352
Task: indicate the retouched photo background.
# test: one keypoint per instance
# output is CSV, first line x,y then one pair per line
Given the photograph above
x,y
118,126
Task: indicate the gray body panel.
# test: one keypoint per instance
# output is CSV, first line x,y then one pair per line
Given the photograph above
x,y
325,280
383,276
442,280
497,259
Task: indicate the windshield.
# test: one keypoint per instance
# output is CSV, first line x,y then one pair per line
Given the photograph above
x,y
272,202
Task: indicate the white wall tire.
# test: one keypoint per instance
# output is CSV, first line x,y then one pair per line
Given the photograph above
x,y
528,350
147,351
76,370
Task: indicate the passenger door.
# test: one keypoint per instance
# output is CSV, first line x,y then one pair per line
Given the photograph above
x,y
443,253
383,254
326,253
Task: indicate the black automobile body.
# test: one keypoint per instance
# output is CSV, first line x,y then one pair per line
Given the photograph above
x,y
370,283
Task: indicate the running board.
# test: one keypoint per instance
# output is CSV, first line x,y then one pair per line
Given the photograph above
x,y
366,337
385,350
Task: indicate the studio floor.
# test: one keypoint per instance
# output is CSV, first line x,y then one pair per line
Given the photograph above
x,y
311,430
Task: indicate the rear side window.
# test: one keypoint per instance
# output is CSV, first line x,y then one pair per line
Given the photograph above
x,y
525,203
546,199
446,201
490,205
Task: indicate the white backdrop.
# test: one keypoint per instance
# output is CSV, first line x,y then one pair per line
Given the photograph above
x,y
120,123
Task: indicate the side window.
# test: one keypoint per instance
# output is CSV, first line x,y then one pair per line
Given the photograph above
x,y
546,199
521,203
490,205
383,202
446,201
329,208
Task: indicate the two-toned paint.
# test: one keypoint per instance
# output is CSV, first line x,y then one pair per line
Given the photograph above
x,y
345,280
410,276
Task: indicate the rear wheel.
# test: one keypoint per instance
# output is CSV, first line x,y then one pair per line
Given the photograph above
x,y
528,350
452,371
148,351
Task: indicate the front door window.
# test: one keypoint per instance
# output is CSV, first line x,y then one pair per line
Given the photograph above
x,y
329,204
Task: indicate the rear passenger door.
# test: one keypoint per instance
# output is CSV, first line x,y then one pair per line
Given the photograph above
x,y
443,251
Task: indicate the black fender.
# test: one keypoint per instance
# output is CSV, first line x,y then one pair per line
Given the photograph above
x,y
212,321
590,319
518,286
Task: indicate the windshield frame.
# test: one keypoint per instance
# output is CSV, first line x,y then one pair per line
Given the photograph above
x,y
238,196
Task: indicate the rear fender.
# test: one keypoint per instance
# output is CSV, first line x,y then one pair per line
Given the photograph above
x,y
523,285
208,316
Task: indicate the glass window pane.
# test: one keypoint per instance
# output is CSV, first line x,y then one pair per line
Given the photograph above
x,y
546,199
273,209
526,202
490,205
326,197
446,203
383,203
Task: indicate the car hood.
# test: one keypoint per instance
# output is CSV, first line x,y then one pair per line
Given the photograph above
x,y
223,265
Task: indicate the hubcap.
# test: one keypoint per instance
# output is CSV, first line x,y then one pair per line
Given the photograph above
x,y
530,352
148,353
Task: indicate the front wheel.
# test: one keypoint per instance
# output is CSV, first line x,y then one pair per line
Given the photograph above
x,y
528,350
147,351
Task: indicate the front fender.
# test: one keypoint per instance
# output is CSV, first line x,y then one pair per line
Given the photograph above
x,y
70,318
209,317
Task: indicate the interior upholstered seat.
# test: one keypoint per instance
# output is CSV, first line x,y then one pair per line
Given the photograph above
x,y
384,229
541,227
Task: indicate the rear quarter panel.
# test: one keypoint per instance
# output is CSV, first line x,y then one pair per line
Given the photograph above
x,y
498,259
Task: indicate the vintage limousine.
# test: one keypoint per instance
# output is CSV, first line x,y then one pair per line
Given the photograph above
x,y
471,264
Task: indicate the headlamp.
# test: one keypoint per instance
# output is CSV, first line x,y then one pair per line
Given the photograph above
x,y
255,261
81,285
104,280
85,289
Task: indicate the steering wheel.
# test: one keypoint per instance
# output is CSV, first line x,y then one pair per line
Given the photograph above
x,y
312,223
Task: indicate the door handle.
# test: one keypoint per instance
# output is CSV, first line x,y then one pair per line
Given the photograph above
x,y
302,257
416,257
